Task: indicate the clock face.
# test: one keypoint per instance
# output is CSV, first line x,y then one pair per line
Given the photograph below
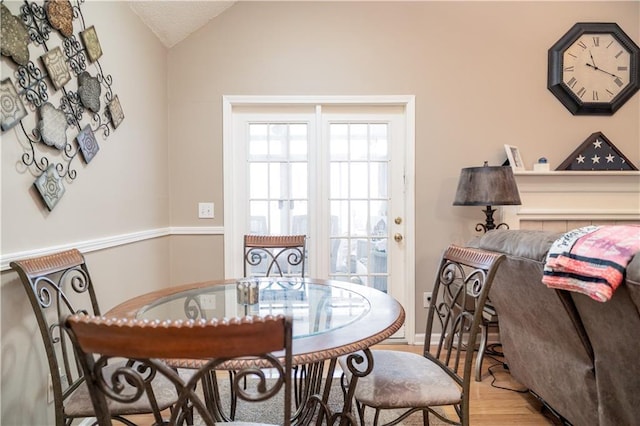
x,y
596,67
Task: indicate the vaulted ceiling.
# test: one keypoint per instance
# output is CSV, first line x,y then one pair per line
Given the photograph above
x,y
173,21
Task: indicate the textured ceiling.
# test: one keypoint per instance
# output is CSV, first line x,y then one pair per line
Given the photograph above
x,y
172,21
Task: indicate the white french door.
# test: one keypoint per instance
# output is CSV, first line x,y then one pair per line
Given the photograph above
x,y
339,173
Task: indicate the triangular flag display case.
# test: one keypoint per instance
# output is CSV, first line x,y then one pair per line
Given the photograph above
x,y
597,153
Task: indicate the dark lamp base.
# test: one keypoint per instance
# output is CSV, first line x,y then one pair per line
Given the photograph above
x,y
489,223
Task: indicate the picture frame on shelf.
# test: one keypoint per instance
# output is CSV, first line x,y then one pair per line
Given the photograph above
x,y
514,157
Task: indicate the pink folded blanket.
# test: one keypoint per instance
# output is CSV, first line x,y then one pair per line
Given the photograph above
x,y
591,260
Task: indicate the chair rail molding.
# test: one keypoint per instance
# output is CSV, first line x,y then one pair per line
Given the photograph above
x,y
548,196
97,244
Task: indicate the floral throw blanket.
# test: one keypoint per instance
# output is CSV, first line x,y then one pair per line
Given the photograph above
x,y
592,260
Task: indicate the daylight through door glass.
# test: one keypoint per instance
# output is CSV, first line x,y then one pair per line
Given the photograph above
x,y
278,170
359,199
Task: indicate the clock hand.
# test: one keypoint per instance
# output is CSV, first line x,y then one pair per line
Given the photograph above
x,y
601,70
592,61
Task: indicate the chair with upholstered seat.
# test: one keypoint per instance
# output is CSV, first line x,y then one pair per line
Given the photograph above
x,y
441,376
247,344
274,255
57,285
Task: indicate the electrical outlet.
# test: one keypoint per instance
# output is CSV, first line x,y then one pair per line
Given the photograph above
x,y
426,298
205,211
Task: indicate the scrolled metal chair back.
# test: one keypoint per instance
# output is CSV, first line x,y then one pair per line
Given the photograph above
x,y
58,285
246,345
455,313
274,255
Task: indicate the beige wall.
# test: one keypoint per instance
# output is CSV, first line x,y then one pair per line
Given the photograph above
x,y
478,71
123,190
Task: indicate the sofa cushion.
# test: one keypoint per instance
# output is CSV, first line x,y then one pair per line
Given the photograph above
x,y
527,244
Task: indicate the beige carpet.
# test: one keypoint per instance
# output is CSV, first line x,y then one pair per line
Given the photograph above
x,y
271,412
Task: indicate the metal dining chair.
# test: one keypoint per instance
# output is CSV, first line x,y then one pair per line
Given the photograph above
x,y
246,344
442,375
57,285
274,255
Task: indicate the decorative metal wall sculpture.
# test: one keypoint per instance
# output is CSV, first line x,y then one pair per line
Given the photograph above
x,y
49,153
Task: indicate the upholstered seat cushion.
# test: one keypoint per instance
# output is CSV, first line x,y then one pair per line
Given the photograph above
x,y
78,404
404,379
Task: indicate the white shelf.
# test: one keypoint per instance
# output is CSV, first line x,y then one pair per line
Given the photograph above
x,y
575,195
579,173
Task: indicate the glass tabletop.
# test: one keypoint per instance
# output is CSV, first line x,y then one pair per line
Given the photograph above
x,y
316,308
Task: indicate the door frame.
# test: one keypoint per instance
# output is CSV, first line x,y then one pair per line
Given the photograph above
x,y
233,229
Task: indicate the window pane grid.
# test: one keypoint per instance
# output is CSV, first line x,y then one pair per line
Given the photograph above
x,y
278,188
358,196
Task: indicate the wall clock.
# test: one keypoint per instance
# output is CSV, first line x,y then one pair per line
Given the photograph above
x,y
594,68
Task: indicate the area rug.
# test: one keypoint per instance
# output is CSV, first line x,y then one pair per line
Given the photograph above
x,y
271,412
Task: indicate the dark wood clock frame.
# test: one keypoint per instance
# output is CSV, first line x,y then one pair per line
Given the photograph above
x,y
555,66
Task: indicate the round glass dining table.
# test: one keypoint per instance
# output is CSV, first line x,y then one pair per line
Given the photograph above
x,y
330,318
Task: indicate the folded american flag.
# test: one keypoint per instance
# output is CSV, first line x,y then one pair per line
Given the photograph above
x,y
591,260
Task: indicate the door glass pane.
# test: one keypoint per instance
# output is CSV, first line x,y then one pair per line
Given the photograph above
x,y
258,185
358,146
339,172
278,181
378,180
359,182
338,142
277,140
358,218
258,145
299,186
298,142
378,141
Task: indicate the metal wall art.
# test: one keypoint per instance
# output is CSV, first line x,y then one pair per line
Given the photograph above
x,y
88,144
53,126
11,107
56,100
117,115
15,37
56,67
60,15
89,91
50,187
91,43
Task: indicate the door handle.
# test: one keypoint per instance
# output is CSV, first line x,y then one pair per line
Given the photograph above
x,y
398,237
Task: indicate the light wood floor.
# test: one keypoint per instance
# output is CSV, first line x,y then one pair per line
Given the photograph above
x,y
490,405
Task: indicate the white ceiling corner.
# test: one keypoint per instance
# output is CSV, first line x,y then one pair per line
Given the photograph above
x,y
172,20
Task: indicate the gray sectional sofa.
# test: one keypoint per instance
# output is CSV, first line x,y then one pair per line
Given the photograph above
x,y
580,356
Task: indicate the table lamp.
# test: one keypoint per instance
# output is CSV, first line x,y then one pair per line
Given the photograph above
x,y
487,186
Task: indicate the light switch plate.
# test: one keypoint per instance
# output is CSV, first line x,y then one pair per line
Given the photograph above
x,y
205,210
